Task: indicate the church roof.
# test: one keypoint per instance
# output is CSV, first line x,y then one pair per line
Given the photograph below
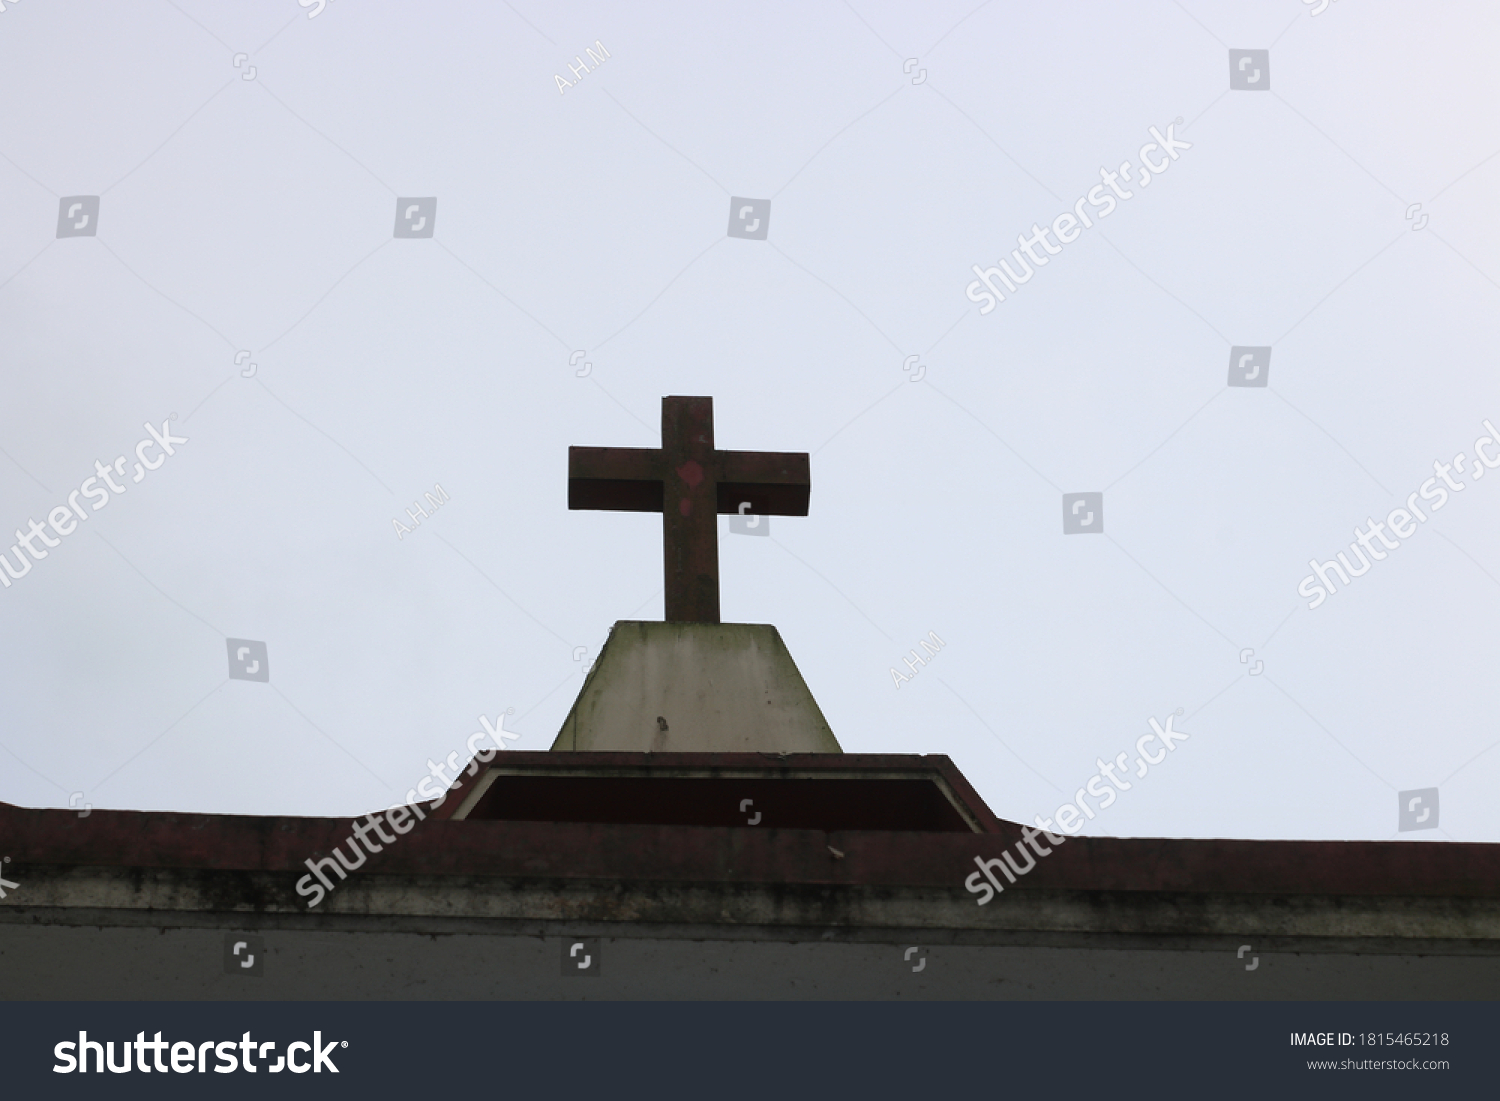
x,y
848,841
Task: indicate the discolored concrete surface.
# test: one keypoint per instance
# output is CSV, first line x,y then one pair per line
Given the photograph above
x,y
695,687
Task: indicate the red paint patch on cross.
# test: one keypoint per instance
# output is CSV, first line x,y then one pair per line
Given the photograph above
x,y
635,479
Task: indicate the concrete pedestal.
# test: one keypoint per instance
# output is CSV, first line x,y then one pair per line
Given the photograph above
x,y
695,688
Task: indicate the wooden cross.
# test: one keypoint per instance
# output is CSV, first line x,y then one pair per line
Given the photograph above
x,y
689,483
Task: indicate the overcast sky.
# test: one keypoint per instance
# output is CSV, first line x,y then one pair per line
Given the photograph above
x,y
197,202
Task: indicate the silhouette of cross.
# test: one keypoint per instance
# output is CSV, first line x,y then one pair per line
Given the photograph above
x,y
689,482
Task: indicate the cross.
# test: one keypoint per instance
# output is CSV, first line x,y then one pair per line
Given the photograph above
x,y
689,482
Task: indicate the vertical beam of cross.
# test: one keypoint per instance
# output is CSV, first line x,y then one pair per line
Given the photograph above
x,y
689,482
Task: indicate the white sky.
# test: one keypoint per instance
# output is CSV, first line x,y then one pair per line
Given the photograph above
x,y
257,215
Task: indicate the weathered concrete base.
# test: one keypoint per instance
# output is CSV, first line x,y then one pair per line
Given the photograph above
x,y
695,687
444,904
185,962
144,934
123,904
